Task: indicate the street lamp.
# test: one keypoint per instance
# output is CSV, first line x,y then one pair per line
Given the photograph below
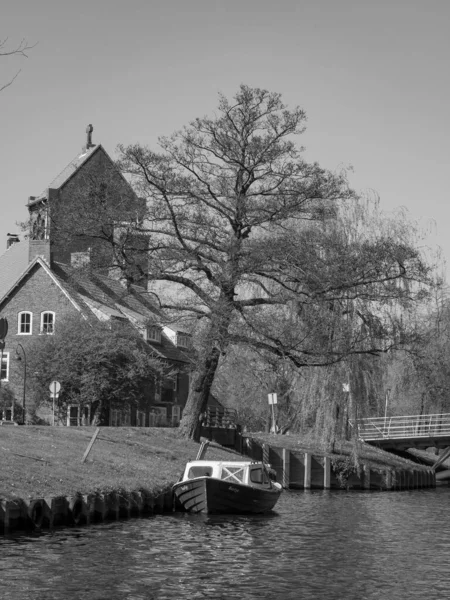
x,y
18,357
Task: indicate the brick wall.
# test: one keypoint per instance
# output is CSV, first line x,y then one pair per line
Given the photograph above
x,y
37,293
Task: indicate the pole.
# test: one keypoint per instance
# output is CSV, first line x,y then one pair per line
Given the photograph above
x,y
386,406
24,419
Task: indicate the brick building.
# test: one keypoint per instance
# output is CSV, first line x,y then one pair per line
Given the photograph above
x,y
52,275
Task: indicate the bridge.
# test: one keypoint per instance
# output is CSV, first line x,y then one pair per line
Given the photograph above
x,y
401,433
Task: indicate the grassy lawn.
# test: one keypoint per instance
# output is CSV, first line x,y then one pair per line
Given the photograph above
x,y
47,461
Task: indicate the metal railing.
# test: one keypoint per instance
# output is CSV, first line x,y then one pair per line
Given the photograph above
x,y
217,416
417,426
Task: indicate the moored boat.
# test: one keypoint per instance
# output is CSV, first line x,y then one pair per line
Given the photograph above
x,y
212,487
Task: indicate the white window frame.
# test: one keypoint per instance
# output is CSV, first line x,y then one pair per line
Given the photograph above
x,y
153,333
183,340
5,360
19,322
47,312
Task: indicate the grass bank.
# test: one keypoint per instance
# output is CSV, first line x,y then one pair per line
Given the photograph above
x,y
47,461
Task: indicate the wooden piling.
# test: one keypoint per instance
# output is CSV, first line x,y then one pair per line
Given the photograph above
x,y
327,472
366,477
307,464
286,468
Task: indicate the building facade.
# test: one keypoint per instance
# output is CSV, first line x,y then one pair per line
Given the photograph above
x,y
65,268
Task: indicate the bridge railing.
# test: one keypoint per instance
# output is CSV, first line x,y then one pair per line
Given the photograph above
x,y
417,426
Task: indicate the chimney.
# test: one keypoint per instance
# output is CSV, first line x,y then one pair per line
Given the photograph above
x,y
12,238
39,248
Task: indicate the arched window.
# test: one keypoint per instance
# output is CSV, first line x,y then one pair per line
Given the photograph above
x,y
25,323
48,322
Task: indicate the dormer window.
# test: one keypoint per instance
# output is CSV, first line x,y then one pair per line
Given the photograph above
x,y
153,333
183,340
24,323
48,323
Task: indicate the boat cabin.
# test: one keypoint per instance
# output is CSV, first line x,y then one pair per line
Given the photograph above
x,y
245,473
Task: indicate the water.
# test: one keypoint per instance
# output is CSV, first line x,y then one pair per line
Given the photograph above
x,y
317,545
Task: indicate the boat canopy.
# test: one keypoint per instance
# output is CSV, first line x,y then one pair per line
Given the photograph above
x,y
247,473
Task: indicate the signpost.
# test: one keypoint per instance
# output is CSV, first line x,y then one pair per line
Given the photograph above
x,y
55,388
272,401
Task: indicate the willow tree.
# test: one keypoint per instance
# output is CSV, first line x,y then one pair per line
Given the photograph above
x,y
231,208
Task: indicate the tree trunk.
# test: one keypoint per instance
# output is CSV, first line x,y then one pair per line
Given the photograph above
x,y
199,391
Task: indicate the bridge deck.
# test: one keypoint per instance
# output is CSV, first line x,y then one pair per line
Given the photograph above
x,y
418,431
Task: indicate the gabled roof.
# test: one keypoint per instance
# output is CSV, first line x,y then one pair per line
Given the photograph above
x,y
107,296
68,172
39,262
13,263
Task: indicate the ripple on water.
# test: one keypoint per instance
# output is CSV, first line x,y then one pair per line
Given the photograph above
x,y
317,545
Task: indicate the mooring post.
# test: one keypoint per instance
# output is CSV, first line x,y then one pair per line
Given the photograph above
x,y
326,473
307,478
286,467
366,477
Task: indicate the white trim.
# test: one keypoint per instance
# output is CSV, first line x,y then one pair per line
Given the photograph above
x,y
186,338
19,322
153,333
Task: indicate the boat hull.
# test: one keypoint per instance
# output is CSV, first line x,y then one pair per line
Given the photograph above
x,y
214,496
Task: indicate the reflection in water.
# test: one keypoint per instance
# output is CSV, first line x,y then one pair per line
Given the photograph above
x,y
317,545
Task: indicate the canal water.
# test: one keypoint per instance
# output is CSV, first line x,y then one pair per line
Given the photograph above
x,y
317,545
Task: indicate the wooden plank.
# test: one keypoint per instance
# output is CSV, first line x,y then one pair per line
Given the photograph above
x,y
91,443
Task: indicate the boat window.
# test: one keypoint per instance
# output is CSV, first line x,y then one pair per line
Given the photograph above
x,y
235,474
259,475
199,472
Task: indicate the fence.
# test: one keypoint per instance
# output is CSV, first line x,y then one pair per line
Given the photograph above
x,y
417,426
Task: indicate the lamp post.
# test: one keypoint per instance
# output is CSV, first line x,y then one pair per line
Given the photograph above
x,y
24,420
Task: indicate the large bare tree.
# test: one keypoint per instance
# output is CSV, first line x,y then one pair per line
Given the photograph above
x,y
20,49
239,237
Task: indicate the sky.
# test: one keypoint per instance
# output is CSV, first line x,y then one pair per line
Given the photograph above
x,y
373,78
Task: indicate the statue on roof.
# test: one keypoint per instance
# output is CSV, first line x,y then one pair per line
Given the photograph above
x,y
89,130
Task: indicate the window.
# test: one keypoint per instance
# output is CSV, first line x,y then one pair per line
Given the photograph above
x,y
258,475
153,334
5,367
140,418
176,415
24,326
199,472
183,340
48,323
232,474
119,418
